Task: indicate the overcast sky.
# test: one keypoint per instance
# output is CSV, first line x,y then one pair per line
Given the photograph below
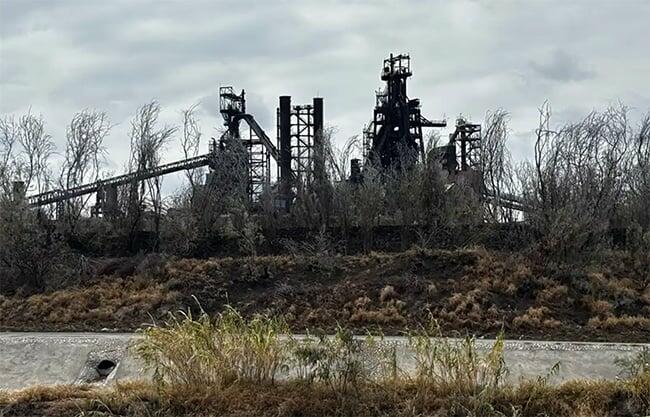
x,y
468,56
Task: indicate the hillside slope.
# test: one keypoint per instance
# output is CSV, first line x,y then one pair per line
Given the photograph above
x,y
467,291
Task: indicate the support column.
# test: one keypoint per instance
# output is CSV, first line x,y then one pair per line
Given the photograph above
x,y
110,207
285,145
319,151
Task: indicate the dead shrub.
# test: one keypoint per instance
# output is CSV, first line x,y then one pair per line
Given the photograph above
x,y
362,302
556,294
618,323
600,307
387,293
467,304
645,297
385,315
432,289
536,318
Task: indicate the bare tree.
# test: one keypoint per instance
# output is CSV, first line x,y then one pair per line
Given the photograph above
x,y
337,164
496,165
180,227
639,178
197,215
38,148
84,157
337,160
25,151
147,142
637,218
578,180
32,255
9,131
403,194
369,204
190,142
314,206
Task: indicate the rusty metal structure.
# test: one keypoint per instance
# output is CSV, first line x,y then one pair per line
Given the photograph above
x,y
106,190
259,147
395,131
396,127
463,151
300,135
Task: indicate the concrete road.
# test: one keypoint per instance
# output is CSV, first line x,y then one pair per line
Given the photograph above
x,y
66,358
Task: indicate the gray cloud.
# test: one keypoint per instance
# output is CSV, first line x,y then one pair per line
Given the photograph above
x,y
562,66
468,57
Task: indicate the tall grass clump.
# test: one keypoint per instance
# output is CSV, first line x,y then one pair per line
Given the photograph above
x,y
457,367
335,361
637,365
215,352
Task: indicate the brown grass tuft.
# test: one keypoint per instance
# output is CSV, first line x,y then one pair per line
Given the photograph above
x,y
387,293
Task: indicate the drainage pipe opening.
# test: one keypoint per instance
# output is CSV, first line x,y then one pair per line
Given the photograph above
x,y
105,367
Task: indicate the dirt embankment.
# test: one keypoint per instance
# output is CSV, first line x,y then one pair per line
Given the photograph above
x,y
467,291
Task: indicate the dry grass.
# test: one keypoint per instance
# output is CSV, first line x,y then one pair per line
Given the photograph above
x,y
387,293
333,379
469,291
219,352
536,317
382,316
104,304
586,399
619,323
455,368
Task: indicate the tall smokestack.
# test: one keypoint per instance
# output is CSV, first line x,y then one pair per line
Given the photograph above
x,y
285,144
319,154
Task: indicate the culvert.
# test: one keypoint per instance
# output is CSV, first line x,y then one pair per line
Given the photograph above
x,y
99,367
105,367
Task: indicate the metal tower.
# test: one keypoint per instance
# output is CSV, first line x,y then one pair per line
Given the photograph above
x,y
467,140
300,134
397,124
258,146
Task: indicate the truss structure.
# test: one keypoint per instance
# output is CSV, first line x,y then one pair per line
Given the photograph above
x,y
396,127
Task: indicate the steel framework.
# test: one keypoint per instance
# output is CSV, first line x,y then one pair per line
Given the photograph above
x,y
107,188
258,145
396,128
467,139
300,130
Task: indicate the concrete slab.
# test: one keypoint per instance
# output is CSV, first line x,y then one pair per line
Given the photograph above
x,y
52,358
66,358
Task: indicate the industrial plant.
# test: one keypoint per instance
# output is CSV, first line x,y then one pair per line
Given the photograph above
x,y
393,137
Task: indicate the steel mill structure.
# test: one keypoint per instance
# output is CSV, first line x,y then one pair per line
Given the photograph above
x,y
394,135
396,127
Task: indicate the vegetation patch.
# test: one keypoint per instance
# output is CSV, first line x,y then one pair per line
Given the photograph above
x,y
229,366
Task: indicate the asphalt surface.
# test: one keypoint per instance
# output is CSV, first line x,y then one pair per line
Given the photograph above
x,y
66,358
